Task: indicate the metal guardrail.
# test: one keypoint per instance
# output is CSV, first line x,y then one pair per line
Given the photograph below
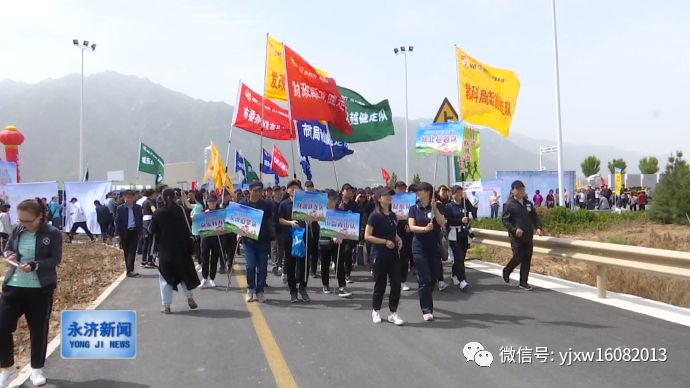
x,y
675,264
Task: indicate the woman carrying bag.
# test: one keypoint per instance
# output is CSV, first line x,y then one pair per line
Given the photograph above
x,y
176,266
33,252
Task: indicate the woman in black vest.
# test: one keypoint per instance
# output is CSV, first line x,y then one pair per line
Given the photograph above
x,y
456,212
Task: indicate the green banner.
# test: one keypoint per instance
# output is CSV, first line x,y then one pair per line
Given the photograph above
x,y
369,122
468,162
250,175
150,162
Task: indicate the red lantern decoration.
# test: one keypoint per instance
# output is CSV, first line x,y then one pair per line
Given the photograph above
x,y
12,139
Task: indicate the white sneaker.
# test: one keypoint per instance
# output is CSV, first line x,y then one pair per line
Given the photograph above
x,y
442,285
395,319
283,277
260,297
198,268
455,280
250,296
428,317
405,287
375,316
464,285
37,377
211,284
204,283
6,375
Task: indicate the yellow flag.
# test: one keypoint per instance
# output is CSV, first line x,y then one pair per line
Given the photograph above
x,y
208,174
275,71
487,95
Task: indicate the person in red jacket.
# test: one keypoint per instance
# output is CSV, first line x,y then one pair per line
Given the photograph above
x,y
642,200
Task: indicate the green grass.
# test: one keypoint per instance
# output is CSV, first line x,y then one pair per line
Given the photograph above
x,y
559,220
616,240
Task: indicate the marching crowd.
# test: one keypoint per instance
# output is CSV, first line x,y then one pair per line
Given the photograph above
x,y
157,224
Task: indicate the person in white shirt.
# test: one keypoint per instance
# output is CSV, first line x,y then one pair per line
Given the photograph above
x,y
78,220
5,223
495,201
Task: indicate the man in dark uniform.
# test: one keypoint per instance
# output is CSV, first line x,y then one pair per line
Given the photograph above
x,y
347,248
521,219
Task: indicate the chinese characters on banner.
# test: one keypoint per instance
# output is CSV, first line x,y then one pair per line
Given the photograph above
x,y
243,220
309,206
98,334
340,224
275,122
278,163
275,71
369,122
210,223
487,95
315,142
313,96
468,161
150,162
439,138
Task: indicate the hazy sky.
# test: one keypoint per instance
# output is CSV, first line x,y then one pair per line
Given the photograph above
x,y
625,64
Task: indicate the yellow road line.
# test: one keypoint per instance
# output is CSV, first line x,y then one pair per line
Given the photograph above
x,y
281,372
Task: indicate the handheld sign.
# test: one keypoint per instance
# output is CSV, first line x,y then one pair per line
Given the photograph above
x,y
210,223
340,224
439,139
244,220
401,204
309,206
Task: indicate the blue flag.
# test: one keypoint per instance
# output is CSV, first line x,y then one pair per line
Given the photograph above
x,y
306,167
276,179
266,163
315,142
239,162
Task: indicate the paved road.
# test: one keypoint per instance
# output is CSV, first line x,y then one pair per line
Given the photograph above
x,y
332,342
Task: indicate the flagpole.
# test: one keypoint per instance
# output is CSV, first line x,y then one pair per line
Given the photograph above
x,y
138,160
263,103
234,117
559,137
287,94
335,173
292,151
457,76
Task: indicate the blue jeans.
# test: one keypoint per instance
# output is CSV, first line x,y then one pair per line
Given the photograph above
x,y
166,290
256,256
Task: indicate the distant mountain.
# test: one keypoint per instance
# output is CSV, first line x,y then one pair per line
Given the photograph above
x,y
119,110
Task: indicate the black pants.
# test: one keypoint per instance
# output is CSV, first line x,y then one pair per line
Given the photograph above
x,y
128,243
522,256
146,256
386,268
312,249
295,268
35,304
347,249
105,230
229,248
210,252
459,252
328,254
81,225
494,210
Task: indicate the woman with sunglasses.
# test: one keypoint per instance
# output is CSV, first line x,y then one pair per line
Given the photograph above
x,y
33,251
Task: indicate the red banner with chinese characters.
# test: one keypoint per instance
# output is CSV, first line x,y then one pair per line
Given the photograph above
x,y
313,96
278,163
385,175
248,117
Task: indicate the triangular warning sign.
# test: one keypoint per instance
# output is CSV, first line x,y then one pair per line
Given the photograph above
x,y
446,113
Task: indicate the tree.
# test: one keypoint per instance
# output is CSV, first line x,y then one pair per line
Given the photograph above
x,y
416,179
670,202
649,165
620,163
393,180
590,166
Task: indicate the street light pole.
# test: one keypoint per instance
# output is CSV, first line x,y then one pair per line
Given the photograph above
x,y
403,50
84,46
559,136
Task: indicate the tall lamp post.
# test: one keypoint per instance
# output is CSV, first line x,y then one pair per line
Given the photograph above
x,y
404,51
559,134
82,46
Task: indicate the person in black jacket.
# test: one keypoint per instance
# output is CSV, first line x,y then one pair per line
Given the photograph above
x,y
130,228
34,250
456,213
521,219
105,220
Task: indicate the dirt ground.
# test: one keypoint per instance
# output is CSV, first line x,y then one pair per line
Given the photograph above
x,y
643,233
87,269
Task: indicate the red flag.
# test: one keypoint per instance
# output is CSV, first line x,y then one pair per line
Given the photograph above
x,y
278,163
248,116
386,176
313,96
